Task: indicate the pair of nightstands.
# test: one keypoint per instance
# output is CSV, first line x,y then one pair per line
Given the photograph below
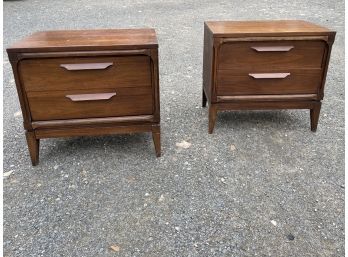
x,y
81,83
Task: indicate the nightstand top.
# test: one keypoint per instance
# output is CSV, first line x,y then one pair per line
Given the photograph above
x,y
90,40
270,27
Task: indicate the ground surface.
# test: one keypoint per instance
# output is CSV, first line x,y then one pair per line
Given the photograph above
x,y
208,200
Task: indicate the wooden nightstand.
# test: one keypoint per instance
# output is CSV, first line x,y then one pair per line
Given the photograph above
x,y
253,65
87,82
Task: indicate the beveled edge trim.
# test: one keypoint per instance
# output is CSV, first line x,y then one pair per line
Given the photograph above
x,y
40,49
266,105
279,38
91,121
68,54
268,97
95,131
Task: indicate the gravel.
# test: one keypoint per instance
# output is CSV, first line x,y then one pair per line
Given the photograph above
x,y
263,184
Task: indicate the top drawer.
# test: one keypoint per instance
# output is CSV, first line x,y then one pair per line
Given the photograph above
x,y
272,55
85,73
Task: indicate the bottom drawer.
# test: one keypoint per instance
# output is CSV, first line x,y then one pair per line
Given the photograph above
x,y
55,105
232,82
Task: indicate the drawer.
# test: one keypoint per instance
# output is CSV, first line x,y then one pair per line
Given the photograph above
x,y
96,103
232,82
53,74
274,55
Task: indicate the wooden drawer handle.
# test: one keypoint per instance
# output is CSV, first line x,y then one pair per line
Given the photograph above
x,y
90,97
269,75
87,66
272,48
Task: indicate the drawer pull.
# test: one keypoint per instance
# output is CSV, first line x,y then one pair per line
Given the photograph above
x,y
87,66
269,75
90,97
272,48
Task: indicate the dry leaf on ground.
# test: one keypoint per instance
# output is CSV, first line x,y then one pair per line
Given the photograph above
x,y
233,148
115,248
17,114
8,173
161,198
183,144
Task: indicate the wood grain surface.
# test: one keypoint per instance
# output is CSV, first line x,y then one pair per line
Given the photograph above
x,y
70,40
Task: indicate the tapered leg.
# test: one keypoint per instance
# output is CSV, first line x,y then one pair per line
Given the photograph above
x,y
315,116
212,117
33,145
156,136
204,99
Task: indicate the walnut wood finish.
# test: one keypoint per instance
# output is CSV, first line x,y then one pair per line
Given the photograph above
x,y
230,82
55,105
251,65
126,71
278,28
314,112
108,121
305,54
156,136
90,40
33,145
87,83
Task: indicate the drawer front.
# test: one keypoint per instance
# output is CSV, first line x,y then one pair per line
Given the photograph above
x,y
230,82
274,55
54,74
97,103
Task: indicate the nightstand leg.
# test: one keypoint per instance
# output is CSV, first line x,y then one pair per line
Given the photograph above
x,y
315,116
212,117
156,136
33,145
204,99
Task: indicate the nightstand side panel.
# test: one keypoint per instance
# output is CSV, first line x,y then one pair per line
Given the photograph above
x,y
208,61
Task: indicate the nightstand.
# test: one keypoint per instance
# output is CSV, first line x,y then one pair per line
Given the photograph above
x,y
258,65
86,83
